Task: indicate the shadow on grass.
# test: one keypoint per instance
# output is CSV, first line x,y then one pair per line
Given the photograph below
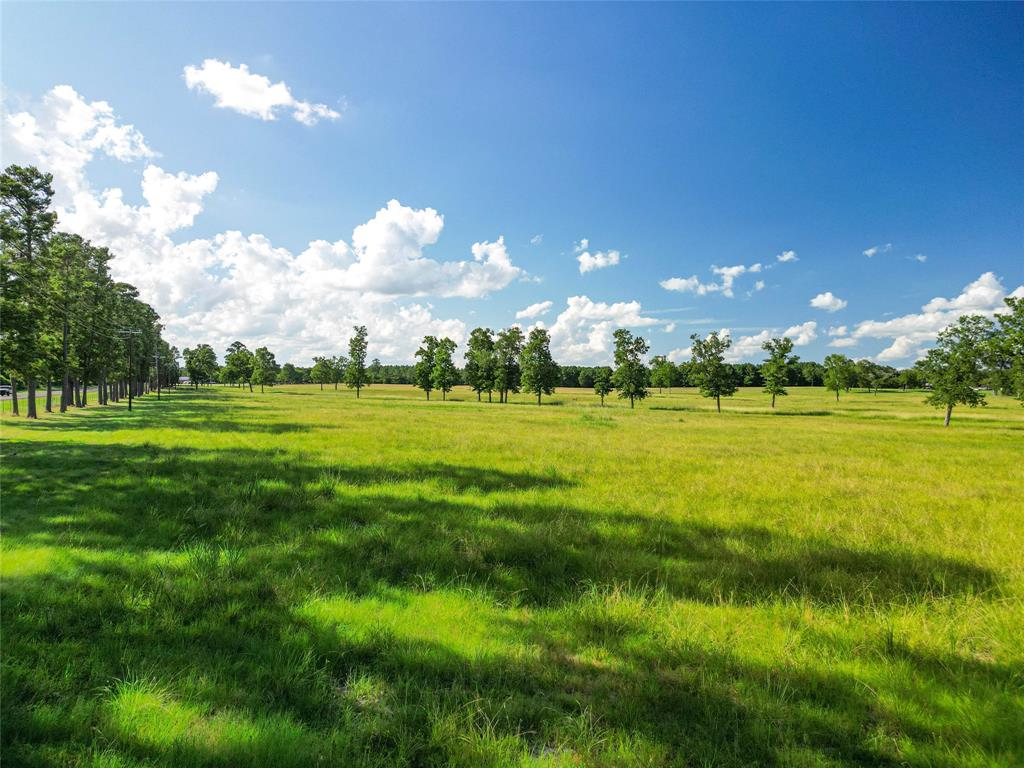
x,y
440,522
189,567
202,410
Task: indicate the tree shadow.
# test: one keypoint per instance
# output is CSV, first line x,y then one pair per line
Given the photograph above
x,y
184,410
440,522
193,569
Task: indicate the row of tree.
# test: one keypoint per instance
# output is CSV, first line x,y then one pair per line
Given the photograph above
x,y
250,368
65,322
971,353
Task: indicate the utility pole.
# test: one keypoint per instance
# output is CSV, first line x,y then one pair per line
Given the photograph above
x,y
156,357
131,333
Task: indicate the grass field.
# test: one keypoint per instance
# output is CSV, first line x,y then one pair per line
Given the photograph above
x,y
298,578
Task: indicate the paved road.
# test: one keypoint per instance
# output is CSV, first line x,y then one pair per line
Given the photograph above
x,y
40,393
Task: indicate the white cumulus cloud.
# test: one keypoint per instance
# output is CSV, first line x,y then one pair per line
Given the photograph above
x,y
64,133
582,332
749,348
828,302
253,95
910,335
787,256
597,260
535,310
234,285
727,278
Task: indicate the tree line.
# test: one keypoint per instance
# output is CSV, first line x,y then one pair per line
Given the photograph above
x,y
64,321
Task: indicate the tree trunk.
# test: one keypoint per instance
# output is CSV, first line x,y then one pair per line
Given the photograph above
x,y
489,397
428,394
321,386
444,395
837,395
49,395
773,399
250,386
357,392
78,394
85,393
65,392
630,401
602,400
718,402
14,396
949,413
30,412
479,395
538,398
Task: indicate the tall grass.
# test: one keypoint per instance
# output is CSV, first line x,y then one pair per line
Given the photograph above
x,y
301,578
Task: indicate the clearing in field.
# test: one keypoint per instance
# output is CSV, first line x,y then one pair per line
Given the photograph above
x,y
299,578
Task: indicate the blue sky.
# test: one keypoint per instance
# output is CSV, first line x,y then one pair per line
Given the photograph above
x,y
673,138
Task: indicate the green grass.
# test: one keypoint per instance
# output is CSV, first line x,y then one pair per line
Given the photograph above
x,y
299,578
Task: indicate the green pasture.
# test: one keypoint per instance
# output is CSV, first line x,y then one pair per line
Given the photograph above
x,y
301,578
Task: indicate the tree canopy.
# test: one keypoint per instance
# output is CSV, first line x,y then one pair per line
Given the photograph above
x,y
710,371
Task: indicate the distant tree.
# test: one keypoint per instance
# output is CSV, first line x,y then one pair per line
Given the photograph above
x,y
747,374
540,373
662,373
290,374
322,371
444,374
265,368
355,371
811,374
839,374
955,366
870,375
376,372
776,366
1006,348
238,365
200,364
480,362
424,372
586,377
910,378
630,376
684,374
603,382
709,369
339,364
507,373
